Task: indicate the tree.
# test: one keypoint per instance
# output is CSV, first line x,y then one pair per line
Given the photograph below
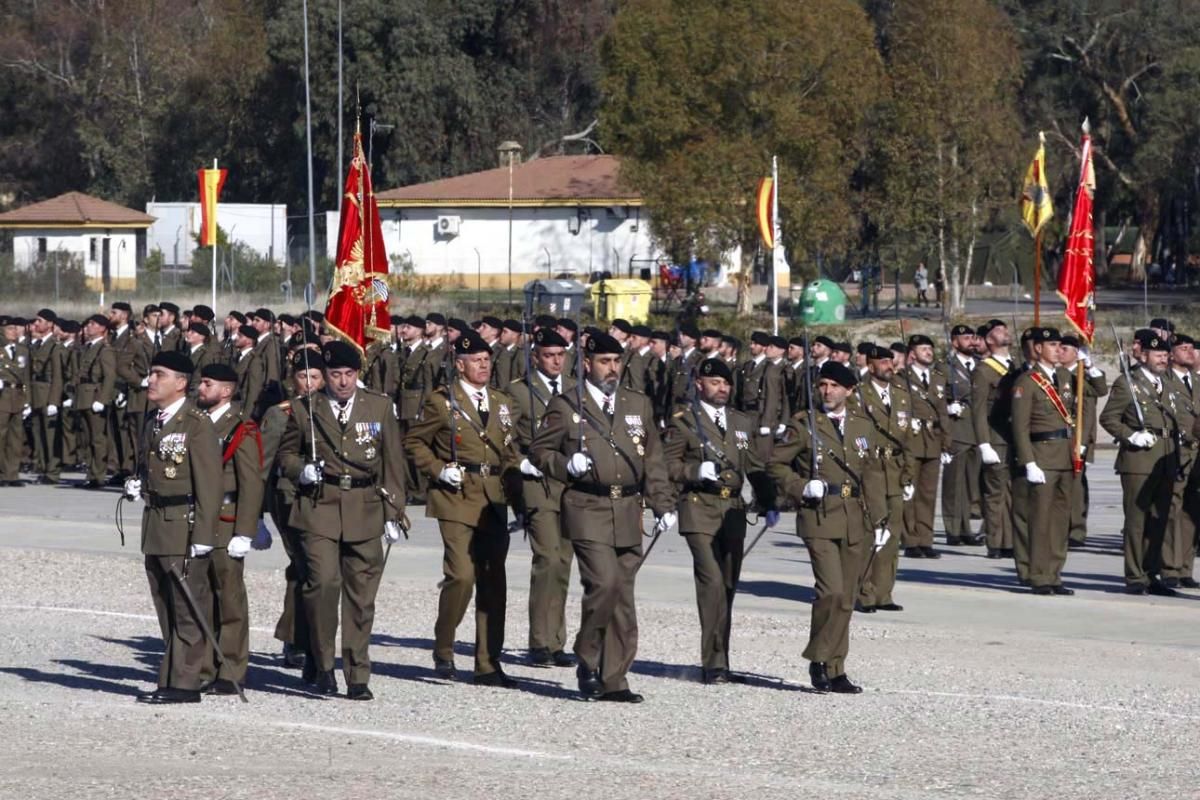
x,y
698,97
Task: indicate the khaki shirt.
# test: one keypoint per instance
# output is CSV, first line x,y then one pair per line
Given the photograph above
x,y
46,374
242,479
182,483
537,493
893,432
1035,415
97,376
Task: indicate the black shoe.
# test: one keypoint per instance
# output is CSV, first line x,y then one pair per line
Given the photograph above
x,y
117,480
563,659
889,607
46,480
1189,583
913,552
221,686
1043,590
818,673
1135,588
1074,545
842,685
326,683
860,608
929,552
309,673
1171,583
92,485
358,691
993,553
15,484
293,657
715,676
168,696
954,541
589,682
1159,589
622,696
972,541
444,668
1006,552
497,679
540,657
1062,590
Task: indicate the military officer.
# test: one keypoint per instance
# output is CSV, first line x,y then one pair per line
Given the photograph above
x,y
1043,430
637,359
266,347
658,376
466,445
1139,417
709,453
68,354
14,400
94,393
46,396
251,372
1179,543
199,350
381,373
1095,386
132,369
842,514
181,485
412,392
603,445
1020,484
351,500
990,385
682,377
960,478
761,394
508,350
168,337
929,444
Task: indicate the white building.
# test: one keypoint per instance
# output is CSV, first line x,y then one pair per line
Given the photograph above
x,y
176,232
104,239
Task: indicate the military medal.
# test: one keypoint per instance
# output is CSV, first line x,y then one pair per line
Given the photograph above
x,y
743,440
861,443
170,471
641,451
575,418
505,416
369,453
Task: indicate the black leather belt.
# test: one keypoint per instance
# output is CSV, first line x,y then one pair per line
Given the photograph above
x,y
483,470
167,500
750,405
1159,432
723,492
1050,436
841,490
614,492
347,482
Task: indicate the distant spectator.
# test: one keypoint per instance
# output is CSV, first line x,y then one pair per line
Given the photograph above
x,y
921,284
939,286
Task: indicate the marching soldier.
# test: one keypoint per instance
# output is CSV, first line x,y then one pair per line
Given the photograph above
x,y
960,478
465,442
266,347
46,396
681,374
94,393
603,445
637,359
1043,430
251,372
991,383
169,336
1138,416
508,351
842,514
412,393
14,401
761,394
1179,543
351,499
929,444
199,350
181,485
658,376
1095,386
68,354
709,453
550,574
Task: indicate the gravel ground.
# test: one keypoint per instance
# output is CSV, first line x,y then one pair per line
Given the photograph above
x,y
976,690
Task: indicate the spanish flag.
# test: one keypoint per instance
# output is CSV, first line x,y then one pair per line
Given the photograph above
x,y
762,206
1036,206
211,181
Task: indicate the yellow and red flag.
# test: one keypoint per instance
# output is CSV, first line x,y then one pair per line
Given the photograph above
x,y
358,300
1037,207
1077,278
211,181
764,212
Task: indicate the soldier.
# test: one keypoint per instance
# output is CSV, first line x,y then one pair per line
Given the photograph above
x,y
382,373
466,443
1095,386
68,354
794,373
94,393
351,499
1139,417
181,485
266,347
709,453
886,405
637,359
199,350
929,444
621,330
658,376
150,315
1179,543
840,504
14,401
990,384
251,372
241,507
411,394
689,358
761,394
129,405
609,455
1043,429
169,336
1020,485
960,478
307,371
550,574
229,350
46,396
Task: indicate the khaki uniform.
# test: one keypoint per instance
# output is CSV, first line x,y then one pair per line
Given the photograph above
x,y
1148,475
279,497
1179,542
267,350
14,397
252,378
1042,434
602,514
474,517
633,372
97,384
341,519
508,365
46,389
181,485
991,384
169,340
929,437
1094,387
762,397
413,392
658,388
123,422
960,478
838,530
712,515
382,373
201,357
72,447
682,376
892,426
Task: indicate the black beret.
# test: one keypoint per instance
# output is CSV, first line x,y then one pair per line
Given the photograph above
x,y
962,330
842,347
200,328
239,317
600,343
99,319
623,326
548,321
919,339
983,330
732,341
1143,335
760,338
288,319
436,318
1045,334
459,325
174,309
174,361
1156,343
689,329
865,348
68,325
662,336
641,330
1070,340
880,353
711,333
715,368
416,321
548,337
47,315
470,343
778,341
307,358
1181,338
1027,335
495,322
248,331
838,373
339,354
23,321
395,319
825,340
898,347
203,312
315,316
798,341
219,372
120,305
516,326
1162,324
264,313
996,323
149,309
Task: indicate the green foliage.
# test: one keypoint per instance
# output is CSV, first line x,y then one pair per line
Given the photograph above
x,y
58,275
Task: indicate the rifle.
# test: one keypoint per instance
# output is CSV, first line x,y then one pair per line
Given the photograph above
x,y
950,365
1137,407
528,345
455,410
309,294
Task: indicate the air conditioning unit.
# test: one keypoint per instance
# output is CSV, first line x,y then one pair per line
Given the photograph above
x,y
448,225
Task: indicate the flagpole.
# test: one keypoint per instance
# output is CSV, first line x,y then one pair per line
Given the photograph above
x,y
1077,457
214,248
1037,278
775,244
312,225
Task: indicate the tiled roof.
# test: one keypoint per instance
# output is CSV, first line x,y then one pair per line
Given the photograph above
x,y
75,209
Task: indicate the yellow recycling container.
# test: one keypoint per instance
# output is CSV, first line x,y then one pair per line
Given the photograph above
x,y
621,298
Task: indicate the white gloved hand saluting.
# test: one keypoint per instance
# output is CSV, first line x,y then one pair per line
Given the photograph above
x,y
909,491
451,476
97,407
954,409
133,489
199,550
527,468
814,490
881,537
708,471
988,454
665,522
1033,473
52,410
946,458
239,546
1141,439
391,531
579,464
310,474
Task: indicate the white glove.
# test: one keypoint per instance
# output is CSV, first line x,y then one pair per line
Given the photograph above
x,y
199,550
25,412
1082,450
955,409
946,458
909,491
97,407
665,522
579,464
145,381
451,476
120,401
708,471
309,475
780,428
527,468
391,531
1141,439
1,384
1086,357
881,537
988,454
52,410
239,546
1033,473
764,431
70,401
262,537
133,489
814,490
1095,372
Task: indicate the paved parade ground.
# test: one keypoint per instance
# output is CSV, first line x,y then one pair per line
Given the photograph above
x,y
977,689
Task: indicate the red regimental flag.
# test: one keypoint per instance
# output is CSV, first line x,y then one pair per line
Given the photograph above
x,y
1077,278
211,181
358,300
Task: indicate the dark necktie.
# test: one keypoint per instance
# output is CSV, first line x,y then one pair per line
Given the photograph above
x,y
925,380
480,397
837,425
608,406
554,387
343,414
159,421
1187,381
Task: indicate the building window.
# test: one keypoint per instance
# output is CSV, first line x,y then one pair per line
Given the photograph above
x,y
92,255
41,248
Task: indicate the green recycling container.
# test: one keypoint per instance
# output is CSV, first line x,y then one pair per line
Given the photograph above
x,y
823,301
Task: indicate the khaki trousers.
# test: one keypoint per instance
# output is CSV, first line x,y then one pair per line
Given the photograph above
x,y
292,626
549,581
1049,525
1020,524
473,562
349,572
1179,545
608,628
231,617
997,502
956,491
1147,501
12,441
918,528
47,444
185,649
879,579
1079,508
836,566
716,567
96,426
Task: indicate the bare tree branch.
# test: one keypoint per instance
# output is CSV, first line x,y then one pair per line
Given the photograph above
x,y
581,136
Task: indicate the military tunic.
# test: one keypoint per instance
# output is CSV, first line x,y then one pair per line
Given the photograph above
x,y
929,437
762,397
14,397
46,389
97,384
960,478
1179,541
